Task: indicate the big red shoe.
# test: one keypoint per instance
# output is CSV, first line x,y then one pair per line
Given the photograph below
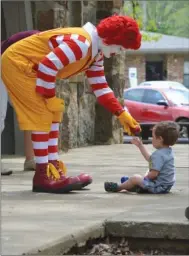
x,y
85,179
48,180
60,166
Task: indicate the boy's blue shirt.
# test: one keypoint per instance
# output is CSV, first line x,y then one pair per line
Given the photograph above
x,y
162,160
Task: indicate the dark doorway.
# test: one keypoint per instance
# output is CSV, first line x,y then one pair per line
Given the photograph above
x,y
154,70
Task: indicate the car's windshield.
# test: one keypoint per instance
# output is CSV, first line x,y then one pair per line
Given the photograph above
x,y
178,97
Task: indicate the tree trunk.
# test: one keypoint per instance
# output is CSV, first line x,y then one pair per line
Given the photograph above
x,y
86,99
107,128
60,14
89,12
65,90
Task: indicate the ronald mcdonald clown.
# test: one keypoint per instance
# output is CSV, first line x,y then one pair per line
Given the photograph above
x,y
29,71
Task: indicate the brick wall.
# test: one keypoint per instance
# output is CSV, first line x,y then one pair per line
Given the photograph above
x,y
137,61
175,67
173,64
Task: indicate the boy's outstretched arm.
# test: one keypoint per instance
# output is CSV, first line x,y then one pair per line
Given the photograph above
x,y
136,141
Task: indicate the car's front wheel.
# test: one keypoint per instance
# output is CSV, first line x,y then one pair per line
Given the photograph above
x,y
184,128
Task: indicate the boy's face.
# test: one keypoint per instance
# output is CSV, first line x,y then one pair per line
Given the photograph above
x,y
157,142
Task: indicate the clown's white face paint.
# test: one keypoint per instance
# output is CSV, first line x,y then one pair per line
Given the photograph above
x,y
109,50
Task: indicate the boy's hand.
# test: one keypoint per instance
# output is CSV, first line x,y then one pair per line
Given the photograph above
x,y
136,141
146,174
152,174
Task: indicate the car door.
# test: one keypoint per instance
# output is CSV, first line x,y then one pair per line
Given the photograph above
x,y
151,111
133,101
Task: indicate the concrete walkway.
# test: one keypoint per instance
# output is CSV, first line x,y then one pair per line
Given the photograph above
x,y
32,221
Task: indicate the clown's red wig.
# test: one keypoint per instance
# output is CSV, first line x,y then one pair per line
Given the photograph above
x,y
120,30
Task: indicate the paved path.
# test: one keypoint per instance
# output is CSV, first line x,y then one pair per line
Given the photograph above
x,y
34,220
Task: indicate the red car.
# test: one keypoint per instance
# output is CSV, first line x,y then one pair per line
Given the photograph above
x,y
154,104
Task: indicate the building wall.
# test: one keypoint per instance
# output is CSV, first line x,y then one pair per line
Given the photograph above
x,y
173,64
175,67
14,17
137,61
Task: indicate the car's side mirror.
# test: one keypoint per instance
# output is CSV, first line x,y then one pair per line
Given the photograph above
x,y
162,103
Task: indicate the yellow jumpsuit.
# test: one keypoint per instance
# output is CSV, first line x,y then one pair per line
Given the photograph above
x,y
19,76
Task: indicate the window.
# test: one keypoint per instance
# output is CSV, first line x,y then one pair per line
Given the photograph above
x,y
178,97
152,96
134,95
186,80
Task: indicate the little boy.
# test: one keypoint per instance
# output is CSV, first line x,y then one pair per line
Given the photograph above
x,y
161,175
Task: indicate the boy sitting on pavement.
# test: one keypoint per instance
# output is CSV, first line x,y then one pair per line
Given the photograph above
x,y
161,175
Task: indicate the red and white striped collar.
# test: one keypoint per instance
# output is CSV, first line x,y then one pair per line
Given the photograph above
x,y
91,30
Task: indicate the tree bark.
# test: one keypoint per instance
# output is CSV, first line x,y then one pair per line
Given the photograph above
x,y
64,89
86,99
60,14
89,11
107,128
74,17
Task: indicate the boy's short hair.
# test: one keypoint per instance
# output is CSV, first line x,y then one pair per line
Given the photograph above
x,y
168,130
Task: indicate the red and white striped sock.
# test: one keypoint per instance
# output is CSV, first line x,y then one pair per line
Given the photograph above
x,y
40,146
53,143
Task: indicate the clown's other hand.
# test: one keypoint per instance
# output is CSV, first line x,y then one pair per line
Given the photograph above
x,y
130,125
55,104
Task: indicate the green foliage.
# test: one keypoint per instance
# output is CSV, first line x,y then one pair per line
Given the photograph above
x,y
180,20
149,37
133,9
151,26
165,17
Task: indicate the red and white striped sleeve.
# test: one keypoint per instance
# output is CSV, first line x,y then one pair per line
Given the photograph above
x,y
99,85
66,49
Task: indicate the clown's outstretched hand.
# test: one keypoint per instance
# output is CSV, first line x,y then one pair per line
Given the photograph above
x,y
130,125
